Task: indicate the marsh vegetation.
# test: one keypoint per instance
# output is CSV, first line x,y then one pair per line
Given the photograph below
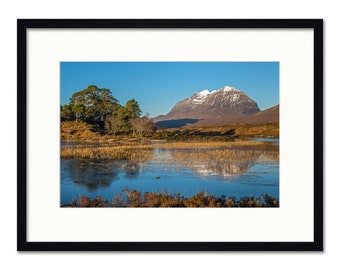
x,y
134,198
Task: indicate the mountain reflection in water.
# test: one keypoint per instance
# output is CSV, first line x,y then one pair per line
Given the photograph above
x,y
223,168
223,162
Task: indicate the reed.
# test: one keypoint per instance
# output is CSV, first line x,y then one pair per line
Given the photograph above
x,y
134,198
187,153
107,153
121,149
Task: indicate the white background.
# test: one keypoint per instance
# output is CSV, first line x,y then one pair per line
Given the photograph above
x,y
166,9
291,222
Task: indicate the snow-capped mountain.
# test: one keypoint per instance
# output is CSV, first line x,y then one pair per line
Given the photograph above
x,y
227,101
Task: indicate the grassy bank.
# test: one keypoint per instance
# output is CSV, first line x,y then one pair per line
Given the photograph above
x,y
134,198
84,132
270,130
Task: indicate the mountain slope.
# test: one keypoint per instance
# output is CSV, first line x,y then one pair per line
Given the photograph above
x,y
271,115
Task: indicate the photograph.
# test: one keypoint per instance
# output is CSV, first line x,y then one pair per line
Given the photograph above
x,y
170,134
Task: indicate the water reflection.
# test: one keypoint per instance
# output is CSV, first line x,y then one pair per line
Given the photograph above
x,y
222,162
225,169
186,170
132,169
94,174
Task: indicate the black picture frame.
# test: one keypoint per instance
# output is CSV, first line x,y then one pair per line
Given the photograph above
x,y
316,25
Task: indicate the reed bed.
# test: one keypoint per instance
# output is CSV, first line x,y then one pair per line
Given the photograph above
x,y
166,144
134,198
194,151
225,155
200,144
163,144
222,161
107,153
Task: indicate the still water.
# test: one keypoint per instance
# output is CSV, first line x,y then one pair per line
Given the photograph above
x,y
237,173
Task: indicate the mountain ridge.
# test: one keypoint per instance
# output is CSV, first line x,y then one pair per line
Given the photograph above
x,y
226,101
226,105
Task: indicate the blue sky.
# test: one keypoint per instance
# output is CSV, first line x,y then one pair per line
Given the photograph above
x,y
157,86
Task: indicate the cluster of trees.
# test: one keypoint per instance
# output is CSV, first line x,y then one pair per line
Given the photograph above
x,y
97,106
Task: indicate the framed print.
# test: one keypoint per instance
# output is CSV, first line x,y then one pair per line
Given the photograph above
x,y
170,135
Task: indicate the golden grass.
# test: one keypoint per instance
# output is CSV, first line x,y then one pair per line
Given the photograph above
x,y
75,131
192,144
225,155
203,151
107,153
